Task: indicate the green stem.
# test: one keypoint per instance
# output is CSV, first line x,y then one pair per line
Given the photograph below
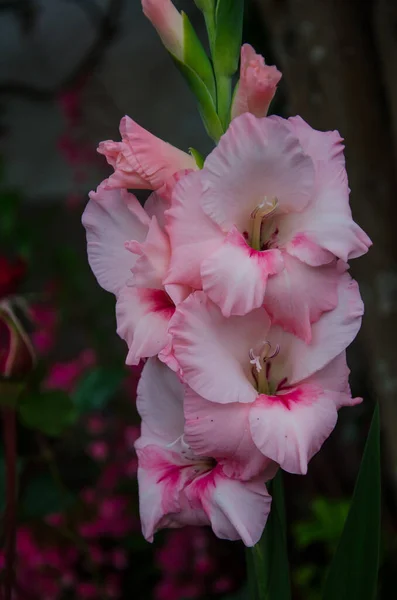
x,y
259,571
224,97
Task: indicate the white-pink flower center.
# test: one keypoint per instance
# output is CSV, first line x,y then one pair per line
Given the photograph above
x,y
263,231
201,464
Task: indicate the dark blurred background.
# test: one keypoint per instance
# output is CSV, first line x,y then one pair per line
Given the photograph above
x,y
69,70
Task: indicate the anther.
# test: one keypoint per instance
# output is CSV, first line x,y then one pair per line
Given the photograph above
x,y
262,211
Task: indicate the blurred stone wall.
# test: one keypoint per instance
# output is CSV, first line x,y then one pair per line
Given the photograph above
x,y
133,75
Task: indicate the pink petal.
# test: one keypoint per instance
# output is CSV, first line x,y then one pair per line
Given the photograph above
x,y
120,156
142,160
155,206
232,446
256,158
111,218
193,235
161,478
235,275
299,295
330,336
153,257
301,246
291,427
160,401
257,85
327,221
335,377
177,293
158,160
213,352
236,509
143,316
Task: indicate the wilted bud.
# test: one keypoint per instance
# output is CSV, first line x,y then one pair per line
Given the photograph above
x,y
17,356
168,22
257,85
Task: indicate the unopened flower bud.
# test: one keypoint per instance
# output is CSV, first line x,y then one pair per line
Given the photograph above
x,y
168,22
17,356
257,85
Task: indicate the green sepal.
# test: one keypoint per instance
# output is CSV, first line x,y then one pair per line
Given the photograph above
x,y
198,157
195,57
229,27
49,412
205,101
205,5
353,574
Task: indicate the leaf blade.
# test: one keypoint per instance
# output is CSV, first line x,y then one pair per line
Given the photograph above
x,y
270,555
354,570
229,28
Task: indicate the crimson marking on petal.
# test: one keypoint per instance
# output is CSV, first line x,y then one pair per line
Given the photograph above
x,y
158,301
304,395
282,385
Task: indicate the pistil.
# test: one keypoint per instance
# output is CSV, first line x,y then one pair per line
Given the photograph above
x,y
258,215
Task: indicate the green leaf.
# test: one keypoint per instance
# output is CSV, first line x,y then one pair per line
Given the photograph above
x,y
198,157
205,101
205,5
242,594
96,388
195,57
50,412
270,554
229,28
326,523
353,574
41,497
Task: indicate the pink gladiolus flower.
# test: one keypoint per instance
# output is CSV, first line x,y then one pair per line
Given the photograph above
x,y
141,160
123,238
265,383
176,486
257,85
265,221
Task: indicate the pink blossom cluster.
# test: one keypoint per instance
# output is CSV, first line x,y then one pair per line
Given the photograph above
x,y
194,564
232,284
65,553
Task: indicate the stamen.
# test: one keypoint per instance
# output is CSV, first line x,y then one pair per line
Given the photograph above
x,y
261,376
264,210
255,360
275,353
